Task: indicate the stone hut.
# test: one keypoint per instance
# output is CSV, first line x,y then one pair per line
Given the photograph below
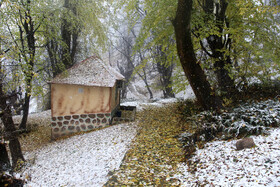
x,y
84,97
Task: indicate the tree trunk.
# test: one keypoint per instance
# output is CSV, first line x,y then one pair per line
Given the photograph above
x,y
15,150
27,26
9,125
218,44
25,108
225,82
14,144
193,71
165,72
4,158
69,35
148,88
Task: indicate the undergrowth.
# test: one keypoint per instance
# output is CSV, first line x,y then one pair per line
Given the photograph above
x,y
36,137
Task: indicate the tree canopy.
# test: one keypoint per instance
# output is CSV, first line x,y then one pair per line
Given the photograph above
x,y
234,40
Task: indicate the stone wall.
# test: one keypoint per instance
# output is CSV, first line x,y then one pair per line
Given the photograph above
x,y
118,120
66,125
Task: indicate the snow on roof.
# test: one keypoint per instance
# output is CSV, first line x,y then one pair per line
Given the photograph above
x,y
90,72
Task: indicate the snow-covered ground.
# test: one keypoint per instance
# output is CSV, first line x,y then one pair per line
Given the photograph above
x,y
140,105
86,160
82,160
220,164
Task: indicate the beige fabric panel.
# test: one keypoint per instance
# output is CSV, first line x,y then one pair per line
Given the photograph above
x,y
75,99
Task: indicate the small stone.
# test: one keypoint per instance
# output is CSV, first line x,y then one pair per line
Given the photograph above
x,y
100,115
56,130
66,122
53,124
245,143
54,118
83,116
77,123
76,116
98,121
92,115
90,127
59,124
67,117
71,128
60,118
78,129
104,120
81,120
94,121
108,115
63,129
83,127
72,122
88,120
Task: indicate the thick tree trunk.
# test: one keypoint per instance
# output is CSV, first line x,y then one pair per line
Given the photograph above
x,y
27,26
165,72
165,79
127,72
218,44
15,150
193,71
69,36
14,144
25,108
4,158
225,82
9,125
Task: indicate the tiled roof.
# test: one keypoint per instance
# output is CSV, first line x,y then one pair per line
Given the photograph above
x,y
90,72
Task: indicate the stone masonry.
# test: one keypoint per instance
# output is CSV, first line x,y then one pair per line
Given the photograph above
x,y
66,125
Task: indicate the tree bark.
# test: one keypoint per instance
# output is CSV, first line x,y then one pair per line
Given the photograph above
x,y
25,108
14,144
69,35
4,158
218,45
9,125
165,72
27,27
193,71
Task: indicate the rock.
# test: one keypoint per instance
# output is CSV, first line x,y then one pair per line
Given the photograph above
x,y
245,143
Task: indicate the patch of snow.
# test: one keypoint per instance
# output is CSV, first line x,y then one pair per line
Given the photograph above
x,y
220,164
187,94
137,90
140,105
90,72
33,105
82,160
44,116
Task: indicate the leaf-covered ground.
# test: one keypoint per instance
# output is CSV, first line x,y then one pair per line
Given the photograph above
x,y
155,158
155,153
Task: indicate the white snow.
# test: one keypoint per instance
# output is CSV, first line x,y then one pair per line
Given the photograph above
x,y
140,105
220,164
86,160
90,72
82,160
